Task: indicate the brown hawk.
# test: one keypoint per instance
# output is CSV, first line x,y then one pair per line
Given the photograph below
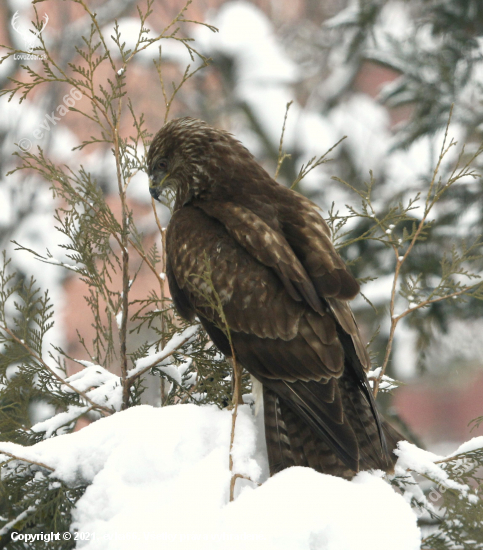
x,y
284,291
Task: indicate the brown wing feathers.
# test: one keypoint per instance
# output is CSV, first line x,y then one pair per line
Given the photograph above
x,y
267,244
284,291
293,350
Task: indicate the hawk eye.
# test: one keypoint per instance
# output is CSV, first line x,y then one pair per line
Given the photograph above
x,y
161,165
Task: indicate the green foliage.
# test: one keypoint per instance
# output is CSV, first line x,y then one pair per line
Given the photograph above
x,y
389,238
37,503
25,378
437,57
106,251
450,509
428,57
141,336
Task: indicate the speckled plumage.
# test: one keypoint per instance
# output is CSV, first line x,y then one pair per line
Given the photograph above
x,y
284,291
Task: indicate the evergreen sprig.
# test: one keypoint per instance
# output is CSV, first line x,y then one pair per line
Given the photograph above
x,y
105,250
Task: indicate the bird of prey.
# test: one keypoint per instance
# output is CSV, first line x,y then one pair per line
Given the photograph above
x,y
284,291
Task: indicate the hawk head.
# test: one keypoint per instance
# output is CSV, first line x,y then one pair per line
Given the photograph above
x,y
192,158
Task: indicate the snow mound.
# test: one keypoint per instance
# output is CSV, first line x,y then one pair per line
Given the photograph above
x,y
159,478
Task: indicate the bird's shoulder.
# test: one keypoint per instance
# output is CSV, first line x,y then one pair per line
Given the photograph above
x,y
282,228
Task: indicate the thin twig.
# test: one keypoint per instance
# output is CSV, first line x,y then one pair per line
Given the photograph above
x,y
149,264
281,155
125,271
313,163
236,401
190,392
239,476
15,457
156,217
431,198
162,232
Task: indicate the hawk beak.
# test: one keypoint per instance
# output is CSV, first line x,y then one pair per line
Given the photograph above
x,y
155,190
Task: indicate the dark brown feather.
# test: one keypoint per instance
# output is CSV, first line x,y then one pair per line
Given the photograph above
x,y
284,291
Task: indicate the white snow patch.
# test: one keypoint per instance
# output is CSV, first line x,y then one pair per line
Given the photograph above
x,y
387,383
308,510
472,445
423,462
377,291
119,320
175,342
246,34
101,386
367,127
56,422
159,477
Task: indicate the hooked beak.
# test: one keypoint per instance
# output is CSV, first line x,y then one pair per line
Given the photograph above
x,y
155,190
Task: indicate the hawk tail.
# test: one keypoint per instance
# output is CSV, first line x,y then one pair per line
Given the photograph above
x,y
291,441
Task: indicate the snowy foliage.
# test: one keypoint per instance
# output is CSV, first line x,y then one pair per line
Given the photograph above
x,y
160,476
391,33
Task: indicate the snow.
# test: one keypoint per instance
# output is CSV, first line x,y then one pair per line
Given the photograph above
x,y
460,344
264,77
406,168
366,125
176,341
91,376
6,528
247,34
376,291
423,462
129,28
6,217
119,320
173,372
406,355
100,385
56,422
160,476
311,510
471,445
386,384
40,411
395,21
347,16
246,440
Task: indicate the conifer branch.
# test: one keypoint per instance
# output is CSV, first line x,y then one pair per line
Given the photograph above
x,y
29,461
131,378
435,191
59,378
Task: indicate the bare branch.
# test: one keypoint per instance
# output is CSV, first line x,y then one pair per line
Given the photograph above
x,y
34,462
